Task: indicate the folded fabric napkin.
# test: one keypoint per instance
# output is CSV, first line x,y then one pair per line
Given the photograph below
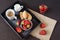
x,y
50,24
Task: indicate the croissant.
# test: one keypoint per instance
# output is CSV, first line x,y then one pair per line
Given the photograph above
x,y
25,15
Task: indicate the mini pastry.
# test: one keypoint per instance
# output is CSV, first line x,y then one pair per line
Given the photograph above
x,y
21,16
25,15
29,17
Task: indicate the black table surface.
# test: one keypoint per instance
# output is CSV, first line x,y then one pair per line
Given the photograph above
x,y
6,32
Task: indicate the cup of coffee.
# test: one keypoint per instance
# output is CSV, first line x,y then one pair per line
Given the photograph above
x,y
10,14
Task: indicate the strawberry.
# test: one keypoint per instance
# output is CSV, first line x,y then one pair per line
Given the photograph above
x,y
24,27
43,8
18,29
42,25
43,32
26,22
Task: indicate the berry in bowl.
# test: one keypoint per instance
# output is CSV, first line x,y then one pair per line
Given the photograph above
x,y
26,25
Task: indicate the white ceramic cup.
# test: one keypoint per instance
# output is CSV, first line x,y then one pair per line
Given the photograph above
x,y
10,17
17,7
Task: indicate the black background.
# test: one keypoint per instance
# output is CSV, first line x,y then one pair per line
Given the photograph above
x,y
53,12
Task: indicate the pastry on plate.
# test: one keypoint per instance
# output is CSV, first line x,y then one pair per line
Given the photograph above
x,y
29,17
25,15
21,16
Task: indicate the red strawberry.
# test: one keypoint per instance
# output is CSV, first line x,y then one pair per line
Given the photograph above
x,y
42,25
26,22
18,29
43,32
43,8
24,27
19,21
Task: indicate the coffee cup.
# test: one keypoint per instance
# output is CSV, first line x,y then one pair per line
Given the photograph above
x,y
17,7
10,14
